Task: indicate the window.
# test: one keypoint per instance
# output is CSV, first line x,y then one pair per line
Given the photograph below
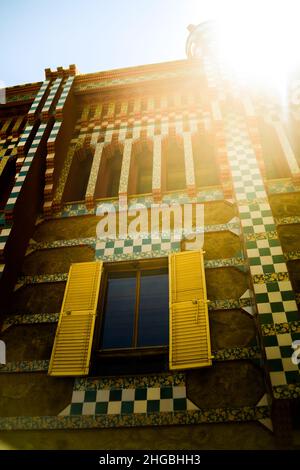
x,y
133,316
205,164
108,179
132,334
113,189
79,173
275,162
140,177
173,166
135,309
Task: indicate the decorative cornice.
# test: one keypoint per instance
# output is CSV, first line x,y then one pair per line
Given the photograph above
x,y
132,76
20,93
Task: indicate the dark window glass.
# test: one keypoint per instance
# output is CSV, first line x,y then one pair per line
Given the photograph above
x,y
205,164
153,309
175,168
144,181
119,312
175,180
136,312
113,189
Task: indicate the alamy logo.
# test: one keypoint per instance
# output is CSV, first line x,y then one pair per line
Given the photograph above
x,y
296,353
2,93
2,352
163,221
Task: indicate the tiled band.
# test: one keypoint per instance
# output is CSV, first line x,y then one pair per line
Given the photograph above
x,y
210,415
275,299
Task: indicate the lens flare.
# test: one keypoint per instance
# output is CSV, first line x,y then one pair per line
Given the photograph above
x,y
257,40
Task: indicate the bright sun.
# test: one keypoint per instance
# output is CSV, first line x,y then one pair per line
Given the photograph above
x,y
258,39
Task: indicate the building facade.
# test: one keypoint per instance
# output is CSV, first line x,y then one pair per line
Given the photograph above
x,y
113,330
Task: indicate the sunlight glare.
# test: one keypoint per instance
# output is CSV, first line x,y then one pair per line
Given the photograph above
x,y
257,39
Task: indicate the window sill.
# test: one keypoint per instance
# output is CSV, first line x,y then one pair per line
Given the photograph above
x,y
137,352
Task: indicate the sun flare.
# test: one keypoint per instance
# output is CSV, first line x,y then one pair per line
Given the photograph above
x,y
258,40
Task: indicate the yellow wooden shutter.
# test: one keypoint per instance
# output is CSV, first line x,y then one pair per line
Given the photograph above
x,y
74,335
189,325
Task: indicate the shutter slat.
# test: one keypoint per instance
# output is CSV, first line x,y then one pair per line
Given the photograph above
x,y
73,340
189,325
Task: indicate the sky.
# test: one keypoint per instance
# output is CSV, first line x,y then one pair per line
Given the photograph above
x,y
93,34
99,35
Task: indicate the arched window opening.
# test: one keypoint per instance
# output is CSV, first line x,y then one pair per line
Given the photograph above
x,y
205,163
293,133
108,180
275,163
140,176
173,166
79,173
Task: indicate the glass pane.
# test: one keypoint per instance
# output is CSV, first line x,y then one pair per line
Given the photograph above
x,y
154,309
144,182
175,180
175,168
119,312
114,186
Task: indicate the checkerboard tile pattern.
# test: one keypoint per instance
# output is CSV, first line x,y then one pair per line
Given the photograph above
x,y
24,138
279,351
265,256
37,100
9,141
24,170
276,302
257,218
57,127
275,299
129,400
55,86
53,134
4,235
113,250
64,94
24,162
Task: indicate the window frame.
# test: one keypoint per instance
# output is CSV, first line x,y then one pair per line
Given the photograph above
x,y
141,163
123,267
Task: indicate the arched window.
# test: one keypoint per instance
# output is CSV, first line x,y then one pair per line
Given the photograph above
x,y
79,173
140,175
205,164
173,166
275,163
293,133
108,180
